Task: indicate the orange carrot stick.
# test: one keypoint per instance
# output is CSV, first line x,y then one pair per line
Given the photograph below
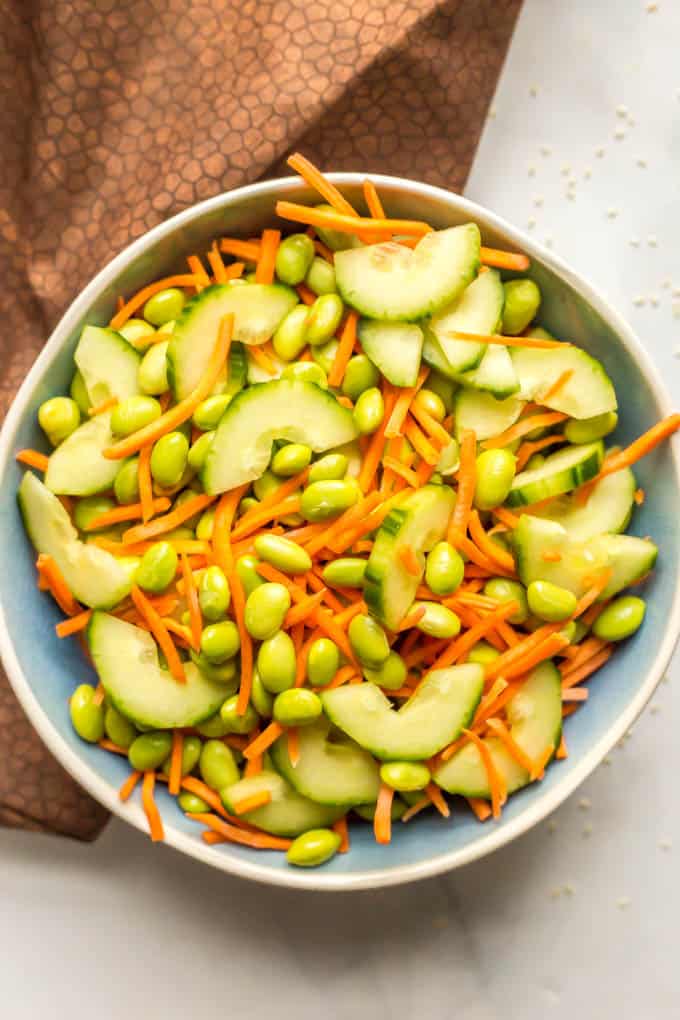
x,y
480,808
586,669
303,610
639,448
222,525
467,480
145,482
150,810
409,560
32,459
142,296
315,179
527,450
344,352
59,590
416,808
264,741
498,727
175,775
422,445
247,837
293,744
499,793
160,632
434,429
251,803
435,796
216,264
341,828
522,427
457,650
382,818
75,624
238,601
506,341
559,384
348,224
130,512
255,517
372,199
504,259
249,251
492,550
143,532
269,246
396,418
191,596
129,785
106,405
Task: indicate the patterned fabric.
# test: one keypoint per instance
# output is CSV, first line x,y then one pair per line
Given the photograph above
x,y
118,113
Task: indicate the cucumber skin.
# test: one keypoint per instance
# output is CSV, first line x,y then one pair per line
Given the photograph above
x,y
373,580
580,474
289,772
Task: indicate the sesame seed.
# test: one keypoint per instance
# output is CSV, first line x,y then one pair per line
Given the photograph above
x,y
538,201
621,110
531,223
652,8
665,844
676,352
587,830
571,195
531,170
585,803
565,170
569,889
676,311
533,90
599,152
676,292
629,734
555,893
654,301
652,240
587,173
634,242
492,112
639,301
623,902
665,283
630,121
612,213
545,150
641,162
620,133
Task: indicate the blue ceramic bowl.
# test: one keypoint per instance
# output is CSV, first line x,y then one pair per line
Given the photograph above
x,y
44,670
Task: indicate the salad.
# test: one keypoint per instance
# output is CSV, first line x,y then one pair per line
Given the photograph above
x,y
339,528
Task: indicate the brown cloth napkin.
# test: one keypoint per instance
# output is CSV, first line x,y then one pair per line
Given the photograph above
x,y
119,113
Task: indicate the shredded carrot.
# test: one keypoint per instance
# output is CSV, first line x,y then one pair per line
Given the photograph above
x,y
492,550
504,259
238,601
558,385
315,179
150,810
499,793
307,296
74,625
262,359
480,808
420,442
458,650
639,497
348,338
582,653
372,521
160,632
249,251
562,751
348,224
254,765
586,669
523,427
404,472
498,727
467,480
329,532
592,595
303,610
106,405
247,837
396,418
382,818
374,451
57,586
253,802
32,458
264,741
175,774
198,269
505,341
222,525
144,532
216,264
434,429
145,482
640,448
435,796
191,596
108,745
269,246
129,785
416,808
316,583
343,832
275,501
551,556
550,646
130,512
409,560
413,618
180,631
575,694
293,744
372,199
324,251
538,768
425,472
528,449
142,296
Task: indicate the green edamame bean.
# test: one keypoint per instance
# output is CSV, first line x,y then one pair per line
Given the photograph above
x,y
234,722
495,473
345,572
149,750
136,329
208,413
368,640
134,413
164,306
325,499
87,717
444,569
332,466
247,503
217,765
191,753
324,354
117,728
306,371
439,621
483,653
294,258
78,391
246,568
390,675
580,631
213,728
449,460
430,402
152,374
290,338
569,631
313,848
367,811
58,417
323,662
522,301
265,611
266,484
89,507
157,568
191,804
550,602
587,430
501,590
199,451
283,553
620,618
405,776
360,375
220,641
443,387
204,528
224,673
369,411
297,707
320,277
336,240
536,460
126,482
213,594
276,662
324,318
169,458
261,700
185,496
291,459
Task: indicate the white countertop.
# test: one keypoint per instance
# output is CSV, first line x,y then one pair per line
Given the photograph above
x,y
577,918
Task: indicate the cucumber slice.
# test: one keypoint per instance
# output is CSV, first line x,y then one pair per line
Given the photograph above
x,y
629,558
394,348
587,392
107,363
95,577
285,409
495,374
78,467
608,508
535,715
328,772
420,522
561,472
434,356
257,374
390,281
238,370
482,413
126,660
477,310
287,814
258,309
431,718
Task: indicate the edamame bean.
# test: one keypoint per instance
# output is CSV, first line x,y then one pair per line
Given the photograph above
x,y
126,482
439,621
620,618
290,338
495,473
204,528
569,631
152,374
276,662
217,765
369,411
191,753
306,371
266,484
185,496
444,569
443,387
580,631
213,594
169,458
191,804
157,568
224,673
345,572
320,277
324,354
360,375
405,776
368,640
136,329
501,590
483,653
89,507
220,641
367,811
536,460
246,568
313,848
247,503
78,391
265,611
291,459
283,553
208,413
134,413
213,727
238,723
86,716
324,318
391,675
294,258
587,430
430,402
522,301
336,240
550,602
323,662
58,417
325,499
199,451
148,751
164,306
261,700
117,728
297,707
330,467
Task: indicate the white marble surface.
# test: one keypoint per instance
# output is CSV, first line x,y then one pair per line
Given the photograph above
x,y
579,917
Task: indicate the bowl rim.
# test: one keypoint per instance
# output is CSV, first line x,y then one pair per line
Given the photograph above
x,y
132,813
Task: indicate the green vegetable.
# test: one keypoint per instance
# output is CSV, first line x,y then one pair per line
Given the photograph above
x,y
117,728
283,553
191,804
148,751
290,338
522,301
345,572
164,306
220,641
126,482
391,674
223,673
620,618
208,413
78,391
360,375
405,776
430,402
313,848
157,568
266,608
297,707
320,277
152,374
191,752
58,418
213,593
247,503
443,388
87,717
206,524
291,459
169,458
294,258
260,698
276,662
495,474
266,484
550,602
368,640
306,371
246,568
324,354
134,413
509,591
217,765
483,653
199,451
331,467
589,429
329,498
136,329
444,569
213,727
438,621
369,411
234,722
323,319
323,662
89,507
